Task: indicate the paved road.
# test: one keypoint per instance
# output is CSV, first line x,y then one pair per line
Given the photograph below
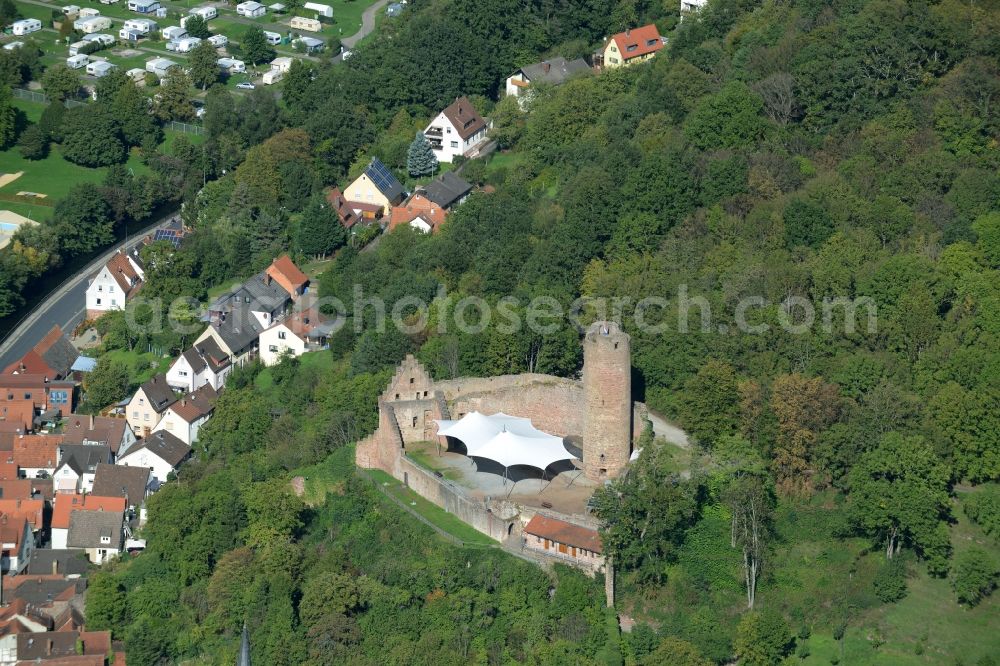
x,y
66,304
367,25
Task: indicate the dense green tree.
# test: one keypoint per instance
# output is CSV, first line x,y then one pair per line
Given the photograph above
x,y
108,85
295,83
899,496
90,137
107,383
8,12
711,402
196,26
61,83
675,651
729,119
974,575
8,119
52,119
255,47
106,603
320,231
33,143
762,639
130,108
202,66
174,101
82,221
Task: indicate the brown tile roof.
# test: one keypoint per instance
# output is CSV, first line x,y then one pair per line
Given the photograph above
x,y
12,529
67,503
42,589
31,363
35,451
57,351
303,322
8,470
347,216
563,532
417,206
122,481
284,271
196,404
31,510
124,273
63,644
638,41
158,393
75,660
89,529
81,428
464,118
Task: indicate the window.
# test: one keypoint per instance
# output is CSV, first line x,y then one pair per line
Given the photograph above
x,y
411,380
282,335
272,348
111,289
414,422
182,373
27,396
105,539
454,144
114,301
98,301
613,61
135,414
100,288
141,402
145,417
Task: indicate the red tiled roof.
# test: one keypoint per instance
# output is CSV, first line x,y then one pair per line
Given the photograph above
x,y
284,271
12,488
642,41
20,412
30,363
196,404
417,206
28,509
124,273
35,451
8,471
12,531
365,206
563,532
65,504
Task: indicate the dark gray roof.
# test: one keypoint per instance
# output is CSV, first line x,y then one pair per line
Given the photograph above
x,y
67,562
161,443
209,350
159,393
83,457
88,528
386,182
258,294
122,481
41,591
194,360
446,189
559,69
239,330
57,351
106,430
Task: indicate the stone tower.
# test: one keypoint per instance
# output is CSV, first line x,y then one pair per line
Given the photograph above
x,y
607,388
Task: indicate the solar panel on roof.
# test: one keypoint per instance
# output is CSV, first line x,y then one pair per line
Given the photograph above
x,y
168,235
381,176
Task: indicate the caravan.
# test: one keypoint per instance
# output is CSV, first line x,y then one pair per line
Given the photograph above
x,y
25,26
78,61
273,38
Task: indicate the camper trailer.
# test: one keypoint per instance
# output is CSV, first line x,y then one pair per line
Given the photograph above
x,y
232,65
207,13
173,32
78,61
92,24
303,23
25,26
273,38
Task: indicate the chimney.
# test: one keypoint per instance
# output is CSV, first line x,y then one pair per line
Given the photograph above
x,y
55,567
546,66
628,31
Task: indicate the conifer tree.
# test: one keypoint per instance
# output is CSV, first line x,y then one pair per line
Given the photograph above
x,y
420,158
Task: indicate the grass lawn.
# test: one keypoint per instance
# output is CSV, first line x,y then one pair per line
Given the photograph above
x,y
327,477
142,365
427,458
431,512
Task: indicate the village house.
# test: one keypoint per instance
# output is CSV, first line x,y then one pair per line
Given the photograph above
x,y
447,190
17,416
184,418
377,189
303,331
691,6
348,218
18,544
630,47
117,281
111,432
53,357
418,212
18,618
236,334
261,299
160,452
458,130
552,537
51,562
60,648
36,456
65,505
284,271
130,483
148,404
204,364
100,533
77,466
552,72
32,510
45,394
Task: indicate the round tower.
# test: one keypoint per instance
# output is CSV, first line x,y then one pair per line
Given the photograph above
x,y
607,388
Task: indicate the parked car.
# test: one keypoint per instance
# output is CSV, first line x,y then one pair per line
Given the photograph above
x,y
245,85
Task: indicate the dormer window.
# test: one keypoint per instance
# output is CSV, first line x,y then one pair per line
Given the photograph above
x,y
105,539
632,47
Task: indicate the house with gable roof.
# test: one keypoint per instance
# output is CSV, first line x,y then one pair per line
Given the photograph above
x,y
100,533
148,404
630,47
552,72
303,331
17,543
53,357
161,453
111,432
374,192
457,130
418,212
204,364
117,281
185,417
77,466
67,504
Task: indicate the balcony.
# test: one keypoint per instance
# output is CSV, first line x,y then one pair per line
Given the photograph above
x,y
433,131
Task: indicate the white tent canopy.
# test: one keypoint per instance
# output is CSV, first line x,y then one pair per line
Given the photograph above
x,y
507,440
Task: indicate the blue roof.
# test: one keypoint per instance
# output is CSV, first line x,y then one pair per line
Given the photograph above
x,y
383,179
84,364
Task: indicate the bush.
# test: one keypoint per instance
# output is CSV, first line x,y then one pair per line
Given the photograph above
x,y
974,575
983,508
890,581
34,144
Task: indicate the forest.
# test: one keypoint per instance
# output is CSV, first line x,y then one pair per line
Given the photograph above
x,y
840,501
